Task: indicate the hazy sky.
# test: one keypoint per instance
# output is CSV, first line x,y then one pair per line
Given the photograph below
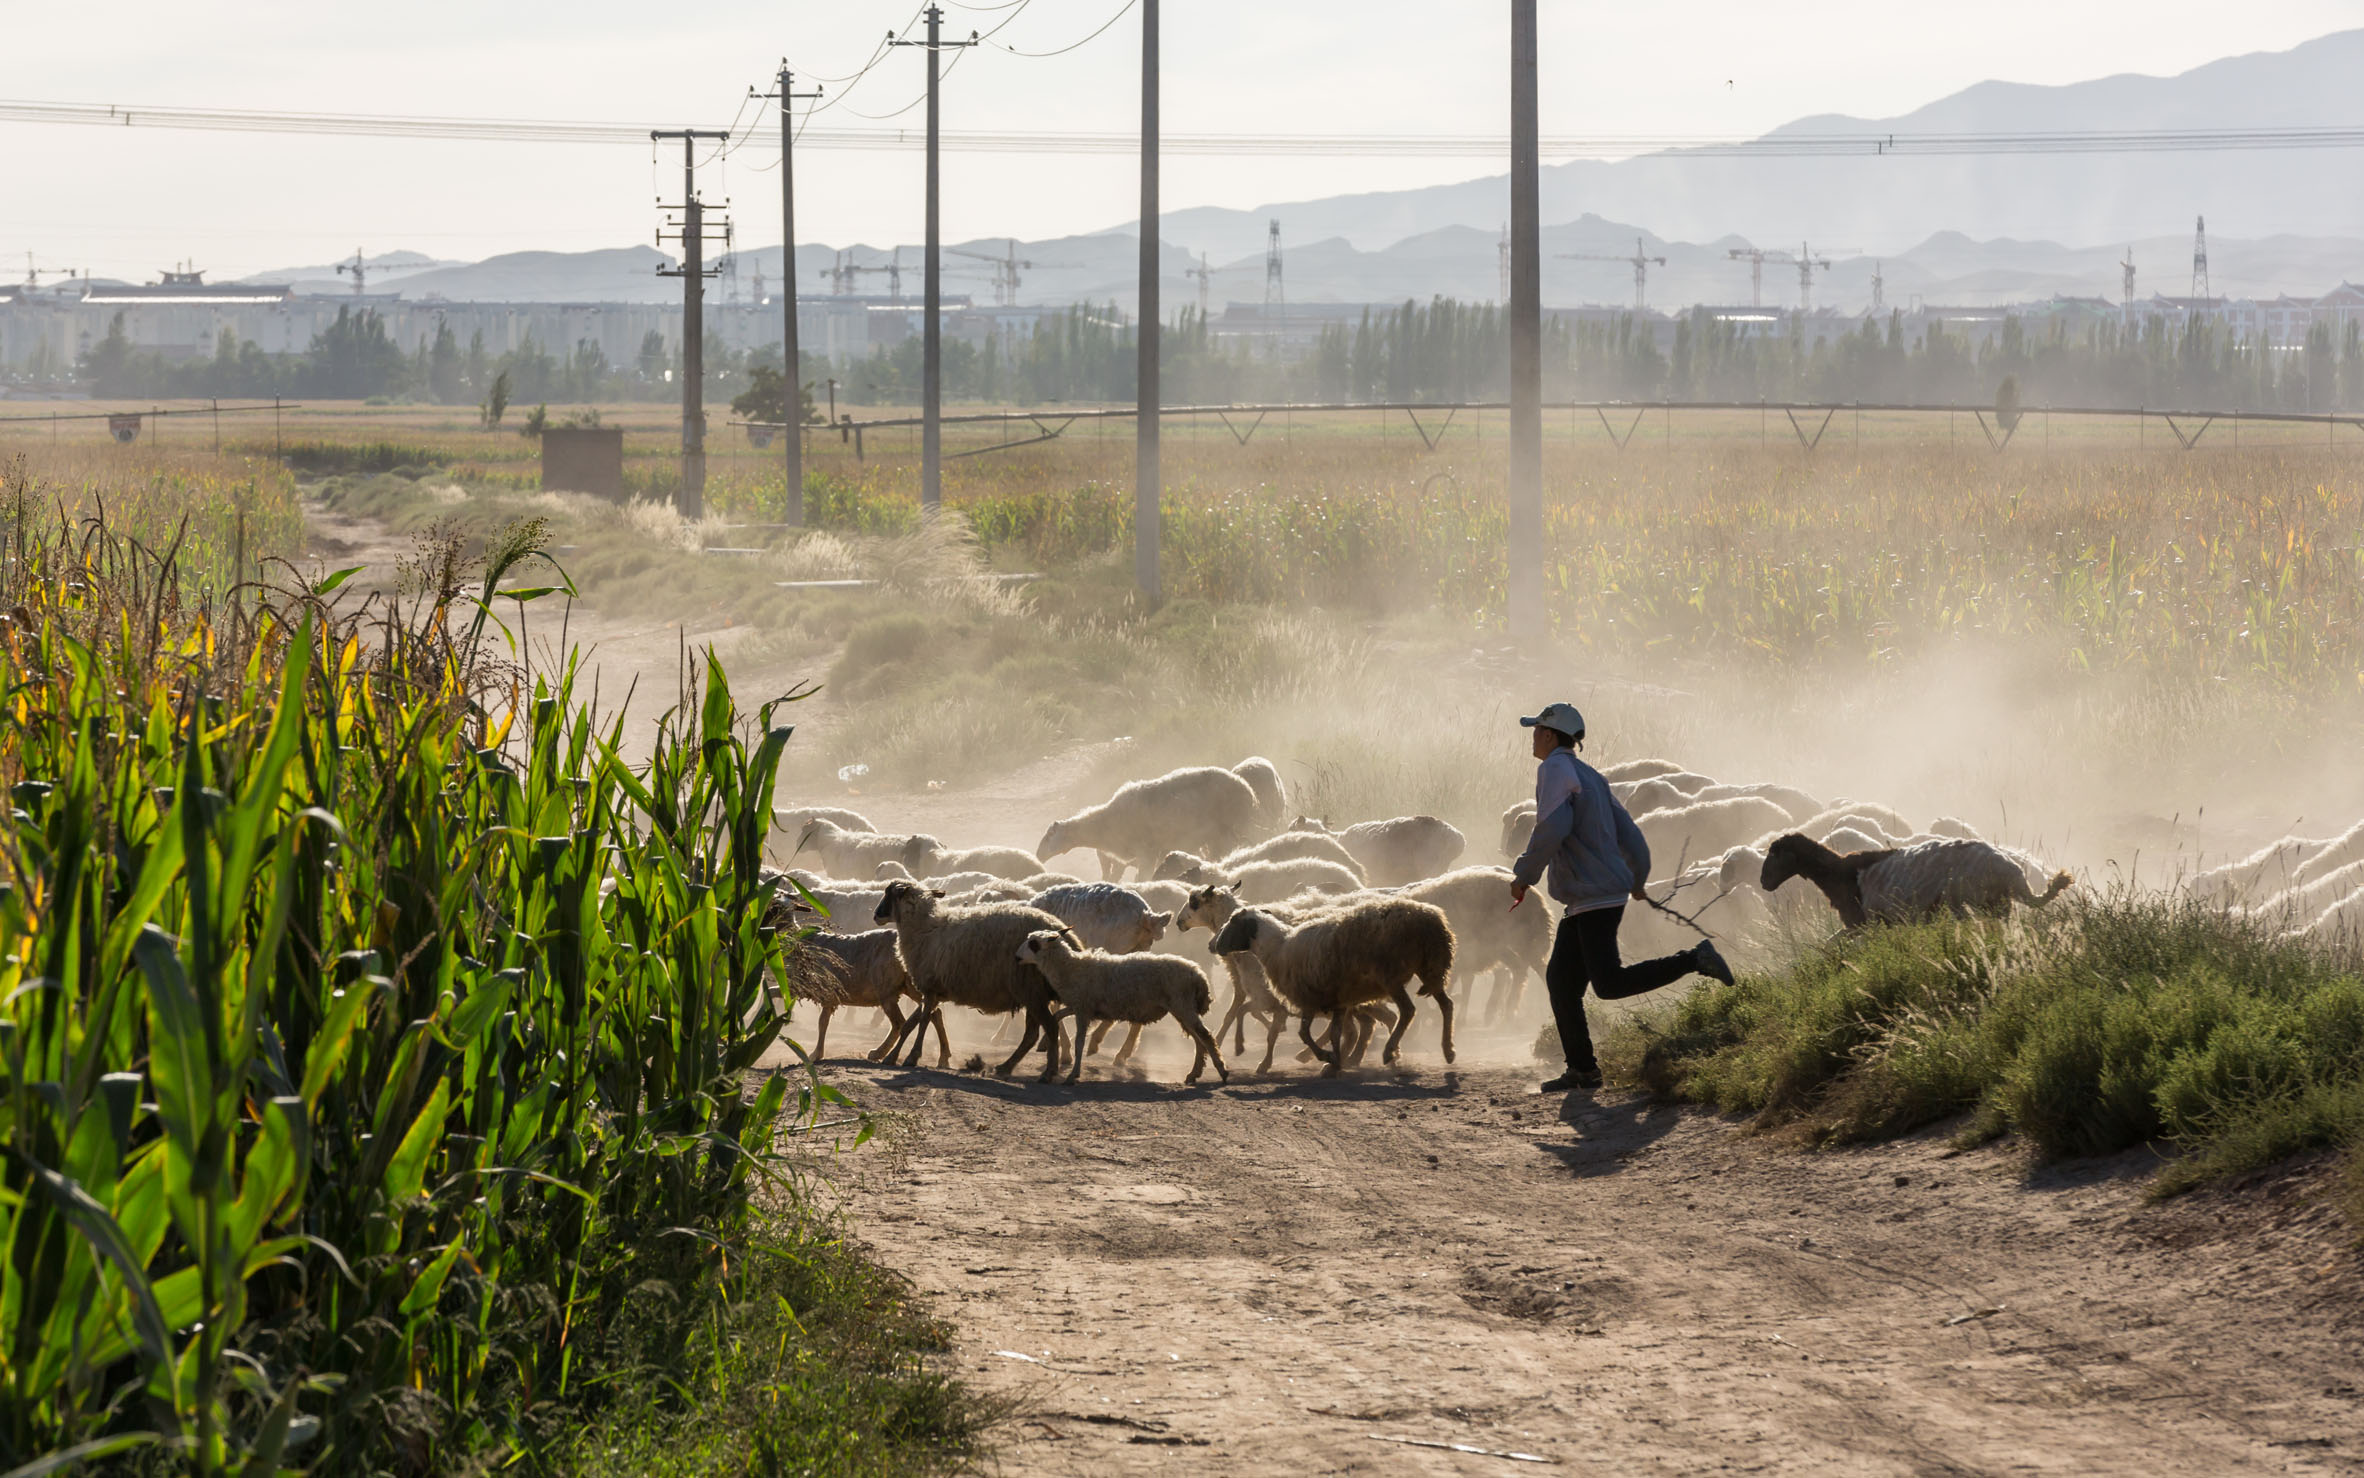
x,y
124,202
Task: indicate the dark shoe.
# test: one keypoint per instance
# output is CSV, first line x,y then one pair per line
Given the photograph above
x,y
1709,961
1572,1082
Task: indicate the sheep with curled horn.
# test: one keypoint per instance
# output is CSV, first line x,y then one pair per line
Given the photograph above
x,y
1900,885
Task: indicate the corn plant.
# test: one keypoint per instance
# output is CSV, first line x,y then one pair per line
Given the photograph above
x,y
370,1025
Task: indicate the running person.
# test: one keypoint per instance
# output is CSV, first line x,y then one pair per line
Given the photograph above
x,y
1596,859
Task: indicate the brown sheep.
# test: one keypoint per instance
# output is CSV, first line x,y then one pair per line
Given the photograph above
x,y
968,956
1900,884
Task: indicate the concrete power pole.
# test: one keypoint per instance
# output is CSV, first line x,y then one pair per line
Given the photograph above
x,y
1147,481
931,411
792,370
1527,616
693,273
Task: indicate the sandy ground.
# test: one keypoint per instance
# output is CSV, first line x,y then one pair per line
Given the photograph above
x,y
1291,1275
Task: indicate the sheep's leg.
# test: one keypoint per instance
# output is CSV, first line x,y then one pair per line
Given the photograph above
x,y
1050,1067
1099,1036
1444,1009
943,1040
1272,1031
920,1042
1034,1027
821,1040
1208,1047
895,1035
1395,1039
1124,1054
1112,869
1082,1024
1329,1059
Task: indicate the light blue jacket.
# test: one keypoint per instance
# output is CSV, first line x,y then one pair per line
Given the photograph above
x,y
1583,838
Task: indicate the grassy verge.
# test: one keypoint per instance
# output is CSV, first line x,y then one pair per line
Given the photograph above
x,y
2088,1029
812,1360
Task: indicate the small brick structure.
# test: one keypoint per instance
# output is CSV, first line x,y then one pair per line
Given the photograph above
x,y
584,459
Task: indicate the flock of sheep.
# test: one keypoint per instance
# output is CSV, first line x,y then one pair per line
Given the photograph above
x,y
1340,927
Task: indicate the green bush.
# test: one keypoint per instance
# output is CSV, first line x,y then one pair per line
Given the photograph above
x,y
2089,1028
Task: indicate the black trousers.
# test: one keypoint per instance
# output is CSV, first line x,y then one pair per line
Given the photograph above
x,y
1585,953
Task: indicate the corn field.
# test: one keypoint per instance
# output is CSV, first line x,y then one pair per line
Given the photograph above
x,y
369,1028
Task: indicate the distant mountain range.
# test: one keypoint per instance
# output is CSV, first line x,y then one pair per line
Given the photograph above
x,y
1954,229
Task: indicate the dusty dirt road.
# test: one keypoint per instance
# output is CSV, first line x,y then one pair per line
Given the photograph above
x,y
1292,1275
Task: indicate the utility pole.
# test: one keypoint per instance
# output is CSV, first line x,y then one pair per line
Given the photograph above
x,y
1527,617
693,273
2200,293
1147,483
1276,301
792,405
931,412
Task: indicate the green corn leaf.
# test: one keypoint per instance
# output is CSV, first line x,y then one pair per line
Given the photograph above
x,y
429,1284
67,1458
273,1170
406,1172
472,1016
151,1322
334,1038
337,578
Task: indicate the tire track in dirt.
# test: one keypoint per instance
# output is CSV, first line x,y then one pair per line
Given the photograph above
x,y
1264,1277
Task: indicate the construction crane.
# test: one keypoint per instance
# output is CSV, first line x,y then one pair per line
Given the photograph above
x,y
846,275
357,268
1641,262
1805,260
1005,270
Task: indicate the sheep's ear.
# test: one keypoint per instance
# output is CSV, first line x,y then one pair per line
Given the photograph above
x,y
1232,889
935,892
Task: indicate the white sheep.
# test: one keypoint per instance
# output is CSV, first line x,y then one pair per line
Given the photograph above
x,y
855,854
1704,829
1115,920
1211,908
1912,883
1891,824
1140,989
792,819
2333,855
1363,951
1041,880
1401,850
1789,798
968,956
1661,793
1288,847
1955,828
1518,828
1625,771
1272,797
871,974
2304,901
1013,863
1203,810
1487,932
846,902
946,883
2340,923
1264,882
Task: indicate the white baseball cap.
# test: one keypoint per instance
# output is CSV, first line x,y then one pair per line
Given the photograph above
x,y
1560,716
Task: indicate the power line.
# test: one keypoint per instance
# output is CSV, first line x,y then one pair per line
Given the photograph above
x,y
1121,12
1565,146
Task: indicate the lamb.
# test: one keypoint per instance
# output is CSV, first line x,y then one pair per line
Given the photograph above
x,y
1630,770
968,956
794,818
1705,829
1002,862
1264,882
1211,908
1900,885
1141,989
1486,933
1343,958
854,854
871,974
1289,846
1402,850
1518,828
1205,810
1272,797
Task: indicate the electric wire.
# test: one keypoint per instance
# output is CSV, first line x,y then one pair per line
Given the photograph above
x,y
1567,146
1122,11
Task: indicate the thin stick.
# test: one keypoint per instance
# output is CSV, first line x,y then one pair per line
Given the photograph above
x,y
1508,1457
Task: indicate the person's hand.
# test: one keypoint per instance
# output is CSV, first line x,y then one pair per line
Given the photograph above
x,y
1518,893
1641,893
